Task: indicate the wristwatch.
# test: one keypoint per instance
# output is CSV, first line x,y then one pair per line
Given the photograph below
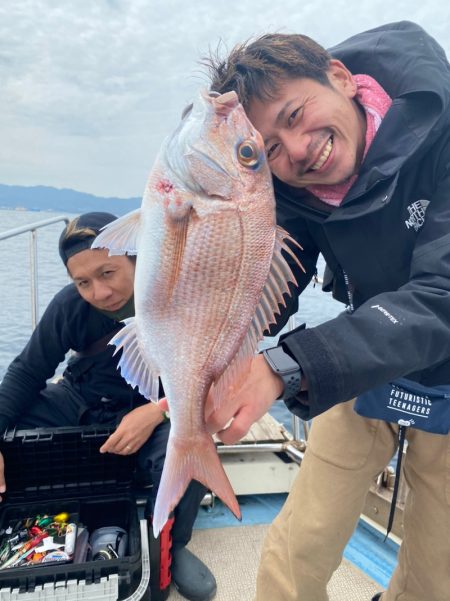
x,y
287,368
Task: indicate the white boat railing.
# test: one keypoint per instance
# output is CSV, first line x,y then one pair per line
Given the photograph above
x,y
294,449
32,228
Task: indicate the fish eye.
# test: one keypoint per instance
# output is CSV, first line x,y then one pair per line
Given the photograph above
x,y
248,153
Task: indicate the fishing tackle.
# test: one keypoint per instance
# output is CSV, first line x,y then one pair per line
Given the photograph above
x,y
45,521
61,517
23,551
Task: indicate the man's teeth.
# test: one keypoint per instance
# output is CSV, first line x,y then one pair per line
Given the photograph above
x,y
323,157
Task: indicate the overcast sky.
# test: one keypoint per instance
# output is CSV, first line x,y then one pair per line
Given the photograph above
x,y
89,88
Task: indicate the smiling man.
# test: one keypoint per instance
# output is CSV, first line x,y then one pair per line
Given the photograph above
x,y
82,318
358,142
313,134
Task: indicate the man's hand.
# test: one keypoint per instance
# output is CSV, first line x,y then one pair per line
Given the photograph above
x,y
258,392
2,476
134,430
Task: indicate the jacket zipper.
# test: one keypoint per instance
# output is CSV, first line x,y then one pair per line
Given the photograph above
x,y
349,289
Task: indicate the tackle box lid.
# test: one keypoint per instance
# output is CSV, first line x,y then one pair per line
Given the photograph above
x,y
62,462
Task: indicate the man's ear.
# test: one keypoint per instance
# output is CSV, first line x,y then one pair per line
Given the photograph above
x,y
341,78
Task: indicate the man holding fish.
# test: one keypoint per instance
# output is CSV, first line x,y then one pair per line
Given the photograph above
x,y
358,143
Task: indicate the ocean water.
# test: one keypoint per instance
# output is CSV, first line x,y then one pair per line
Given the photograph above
x,y
315,306
15,280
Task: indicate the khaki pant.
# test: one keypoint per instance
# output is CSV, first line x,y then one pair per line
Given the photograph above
x,y
345,452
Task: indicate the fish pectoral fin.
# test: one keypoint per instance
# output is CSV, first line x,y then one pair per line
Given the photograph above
x,y
179,234
195,460
120,236
133,366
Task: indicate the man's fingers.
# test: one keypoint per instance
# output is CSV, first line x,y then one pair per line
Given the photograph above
x,y
218,419
128,449
163,404
216,422
119,445
238,427
110,444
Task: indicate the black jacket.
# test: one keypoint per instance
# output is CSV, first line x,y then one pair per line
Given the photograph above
x,y
390,236
68,323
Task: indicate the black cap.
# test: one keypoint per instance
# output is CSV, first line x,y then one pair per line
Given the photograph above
x,y
75,244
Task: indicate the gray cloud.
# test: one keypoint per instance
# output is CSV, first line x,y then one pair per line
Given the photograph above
x,y
89,88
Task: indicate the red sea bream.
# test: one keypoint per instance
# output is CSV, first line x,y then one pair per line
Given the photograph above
x,y
210,275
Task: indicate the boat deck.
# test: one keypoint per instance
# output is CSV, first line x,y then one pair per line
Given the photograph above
x,y
232,549
233,555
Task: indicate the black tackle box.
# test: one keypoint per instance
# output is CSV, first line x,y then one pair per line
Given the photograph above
x,y
57,471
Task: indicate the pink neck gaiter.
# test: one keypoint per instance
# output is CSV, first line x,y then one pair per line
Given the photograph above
x,y
376,103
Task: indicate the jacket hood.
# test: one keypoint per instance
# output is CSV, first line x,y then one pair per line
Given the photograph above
x,y
401,56
413,69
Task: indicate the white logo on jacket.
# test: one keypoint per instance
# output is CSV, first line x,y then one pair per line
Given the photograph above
x,y
416,212
385,312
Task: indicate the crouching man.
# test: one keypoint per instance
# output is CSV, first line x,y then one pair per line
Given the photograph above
x,y
82,318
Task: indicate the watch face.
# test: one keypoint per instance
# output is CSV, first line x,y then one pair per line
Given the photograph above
x,y
287,369
280,361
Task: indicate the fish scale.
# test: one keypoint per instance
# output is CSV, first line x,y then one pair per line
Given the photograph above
x,y
210,277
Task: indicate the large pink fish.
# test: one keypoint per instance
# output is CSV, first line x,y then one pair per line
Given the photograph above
x,y
210,275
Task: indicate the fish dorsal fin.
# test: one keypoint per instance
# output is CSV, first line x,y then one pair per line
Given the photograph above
x,y
276,286
120,236
280,271
133,366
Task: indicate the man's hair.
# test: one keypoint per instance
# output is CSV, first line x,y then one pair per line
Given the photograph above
x,y
255,69
73,230
80,233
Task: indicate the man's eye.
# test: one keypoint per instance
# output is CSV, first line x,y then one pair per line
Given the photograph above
x,y
82,284
292,116
272,151
107,274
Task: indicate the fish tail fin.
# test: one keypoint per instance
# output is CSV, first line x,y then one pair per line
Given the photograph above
x,y
200,462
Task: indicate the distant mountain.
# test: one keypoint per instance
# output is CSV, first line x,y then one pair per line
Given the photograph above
x,y
42,198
